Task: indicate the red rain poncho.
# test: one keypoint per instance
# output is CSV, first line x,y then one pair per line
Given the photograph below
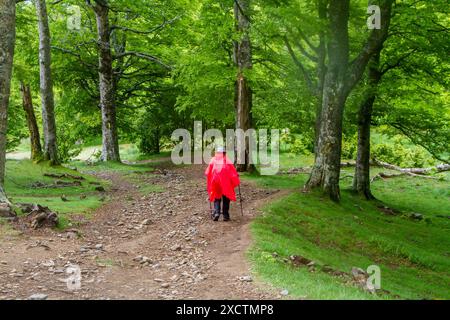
x,y
222,178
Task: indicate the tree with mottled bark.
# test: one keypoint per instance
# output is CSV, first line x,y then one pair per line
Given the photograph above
x,y
110,139
7,41
46,85
342,75
243,90
361,179
35,139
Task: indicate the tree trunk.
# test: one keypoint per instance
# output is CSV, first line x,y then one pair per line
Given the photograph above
x,y
361,180
46,84
157,146
243,91
326,169
35,139
340,79
7,42
110,150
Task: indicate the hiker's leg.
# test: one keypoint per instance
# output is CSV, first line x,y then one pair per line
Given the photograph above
x,y
226,208
216,209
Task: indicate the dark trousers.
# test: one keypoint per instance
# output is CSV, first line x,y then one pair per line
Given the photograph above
x,y
226,206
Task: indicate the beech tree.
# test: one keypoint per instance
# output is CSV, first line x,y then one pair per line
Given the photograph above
x,y
243,91
403,55
33,128
7,41
46,84
341,77
110,151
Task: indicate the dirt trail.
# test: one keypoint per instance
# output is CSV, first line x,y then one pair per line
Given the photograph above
x,y
158,246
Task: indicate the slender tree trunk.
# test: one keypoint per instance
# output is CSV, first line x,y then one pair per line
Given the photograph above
x,y
243,91
361,180
46,84
110,151
35,139
7,42
157,146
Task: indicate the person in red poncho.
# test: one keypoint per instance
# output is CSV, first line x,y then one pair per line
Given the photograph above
x,y
222,178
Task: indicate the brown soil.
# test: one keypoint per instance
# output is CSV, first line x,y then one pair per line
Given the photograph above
x,y
158,246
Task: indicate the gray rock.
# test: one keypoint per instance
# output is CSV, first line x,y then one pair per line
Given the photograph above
x,y
38,296
416,216
246,279
84,249
145,260
358,272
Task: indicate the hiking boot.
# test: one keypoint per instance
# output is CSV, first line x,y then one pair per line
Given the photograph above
x,y
226,218
216,217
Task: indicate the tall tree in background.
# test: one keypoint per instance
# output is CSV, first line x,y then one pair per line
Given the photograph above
x,y
110,151
340,79
243,91
46,85
7,41
35,139
361,180
406,54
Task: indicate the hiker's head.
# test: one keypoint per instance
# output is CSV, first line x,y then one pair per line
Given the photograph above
x,y
221,150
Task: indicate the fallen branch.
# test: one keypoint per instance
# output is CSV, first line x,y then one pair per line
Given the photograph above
x,y
416,171
348,164
383,175
64,175
56,184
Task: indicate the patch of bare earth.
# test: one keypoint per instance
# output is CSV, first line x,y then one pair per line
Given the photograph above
x,y
157,246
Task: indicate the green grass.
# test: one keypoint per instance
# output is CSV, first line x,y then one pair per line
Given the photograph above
x,y
414,257
117,167
20,176
131,153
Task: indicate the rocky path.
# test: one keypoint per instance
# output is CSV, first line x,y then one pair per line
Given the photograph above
x,y
159,246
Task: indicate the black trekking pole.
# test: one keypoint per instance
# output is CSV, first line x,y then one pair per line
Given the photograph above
x,y
240,196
